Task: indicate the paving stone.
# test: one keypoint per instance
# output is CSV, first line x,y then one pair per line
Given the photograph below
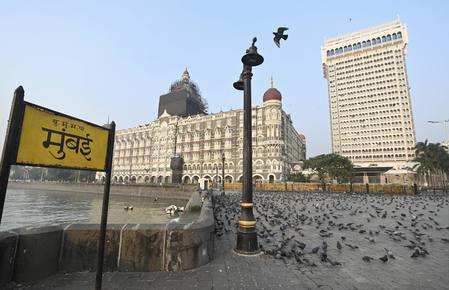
x,y
231,271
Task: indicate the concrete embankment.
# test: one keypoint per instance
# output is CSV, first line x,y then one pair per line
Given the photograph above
x,y
28,255
140,190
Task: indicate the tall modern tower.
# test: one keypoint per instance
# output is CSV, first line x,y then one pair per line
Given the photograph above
x,y
369,97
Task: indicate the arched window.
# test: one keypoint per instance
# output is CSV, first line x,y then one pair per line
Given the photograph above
x,y
332,52
368,43
359,45
378,40
354,46
340,50
373,41
394,36
328,53
384,38
349,47
388,37
399,34
345,49
364,43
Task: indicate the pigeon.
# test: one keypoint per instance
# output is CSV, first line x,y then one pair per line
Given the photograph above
x,y
389,253
371,240
323,256
416,253
333,263
367,258
301,245
384,258
352,246
324,246
280,35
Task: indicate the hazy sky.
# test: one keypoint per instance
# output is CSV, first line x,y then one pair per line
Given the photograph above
x,y
94,59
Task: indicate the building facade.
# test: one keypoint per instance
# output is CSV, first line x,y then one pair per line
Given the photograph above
x,y
370,109
142,154
183,99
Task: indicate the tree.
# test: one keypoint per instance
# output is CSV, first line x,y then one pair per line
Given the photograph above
x,y
334,166
338,167
51,174
317,164
298,177
433,162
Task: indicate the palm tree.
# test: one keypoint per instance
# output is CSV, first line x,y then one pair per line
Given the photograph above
x,y
433,162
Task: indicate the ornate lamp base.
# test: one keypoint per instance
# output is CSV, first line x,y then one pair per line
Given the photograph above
x,y
247,243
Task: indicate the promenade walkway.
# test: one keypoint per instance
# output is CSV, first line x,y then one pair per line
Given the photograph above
x,y
227,271
231,271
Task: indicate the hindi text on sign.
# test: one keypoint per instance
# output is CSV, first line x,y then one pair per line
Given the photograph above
x,y
51,139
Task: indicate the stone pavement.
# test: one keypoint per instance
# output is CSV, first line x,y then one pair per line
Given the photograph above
x,y
231,271
227,271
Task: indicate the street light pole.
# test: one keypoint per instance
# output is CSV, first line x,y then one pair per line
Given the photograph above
x,y
130,162
216,176
222,173
246,233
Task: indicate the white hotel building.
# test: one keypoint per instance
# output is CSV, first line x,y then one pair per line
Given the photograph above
x,y
371,116
142,154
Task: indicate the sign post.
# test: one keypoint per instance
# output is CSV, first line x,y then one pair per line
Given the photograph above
x,y
105,207
38,136
10,146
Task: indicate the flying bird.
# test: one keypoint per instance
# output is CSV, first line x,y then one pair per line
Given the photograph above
x,y
280,35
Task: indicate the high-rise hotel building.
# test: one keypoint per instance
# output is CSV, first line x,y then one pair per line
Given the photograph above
x,y
369,97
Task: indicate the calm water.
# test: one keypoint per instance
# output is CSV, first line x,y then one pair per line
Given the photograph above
x,y
37,207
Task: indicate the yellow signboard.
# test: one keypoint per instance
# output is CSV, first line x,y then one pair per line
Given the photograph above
x,y
53,139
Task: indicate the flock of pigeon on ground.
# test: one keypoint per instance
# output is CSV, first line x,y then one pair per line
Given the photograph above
x,y
321,228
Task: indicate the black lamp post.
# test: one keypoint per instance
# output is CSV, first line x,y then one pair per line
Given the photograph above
x,y
246,233
216,176
222,173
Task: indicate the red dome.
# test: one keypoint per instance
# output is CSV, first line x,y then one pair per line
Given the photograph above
x,y
272,94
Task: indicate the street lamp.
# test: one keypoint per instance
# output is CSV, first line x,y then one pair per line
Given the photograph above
x,y
445,126
222,172
216,176
246,233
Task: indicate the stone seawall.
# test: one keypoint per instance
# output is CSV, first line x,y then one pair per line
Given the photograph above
x,y
28,255
335,188
140,190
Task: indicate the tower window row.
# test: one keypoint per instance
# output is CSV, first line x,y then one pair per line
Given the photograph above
x,y
367,43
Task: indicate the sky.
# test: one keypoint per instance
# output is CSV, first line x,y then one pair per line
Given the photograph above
x,y
113,59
